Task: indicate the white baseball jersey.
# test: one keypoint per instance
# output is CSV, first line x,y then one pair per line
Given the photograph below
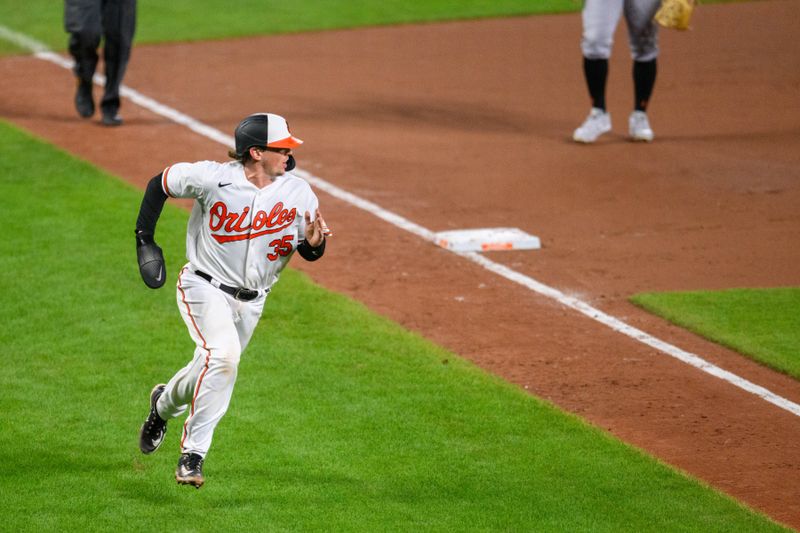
x,y
238,234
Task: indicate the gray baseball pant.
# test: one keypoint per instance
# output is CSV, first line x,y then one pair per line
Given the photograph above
x,y
600,19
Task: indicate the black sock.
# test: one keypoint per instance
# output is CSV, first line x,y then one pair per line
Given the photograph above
x,y
596,71
644,78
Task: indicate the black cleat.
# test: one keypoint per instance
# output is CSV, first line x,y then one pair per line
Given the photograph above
x,y
112,119
154,428
190,470
84,103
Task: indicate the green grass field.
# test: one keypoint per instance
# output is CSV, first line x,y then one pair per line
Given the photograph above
x,y
763,324
359,426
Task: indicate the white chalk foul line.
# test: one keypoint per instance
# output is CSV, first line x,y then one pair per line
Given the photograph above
x,y
21,40
634,333
41,51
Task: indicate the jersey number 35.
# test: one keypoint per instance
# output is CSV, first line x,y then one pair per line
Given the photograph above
x,y
281,247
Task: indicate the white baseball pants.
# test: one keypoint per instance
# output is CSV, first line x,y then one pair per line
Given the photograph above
x,y
221,327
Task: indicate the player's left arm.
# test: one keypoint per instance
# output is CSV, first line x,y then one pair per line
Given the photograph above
x,y
313,246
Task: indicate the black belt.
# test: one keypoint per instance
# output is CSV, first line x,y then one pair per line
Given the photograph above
x,y
244,295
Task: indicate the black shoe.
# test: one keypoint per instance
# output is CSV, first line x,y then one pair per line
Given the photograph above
x,y
112,119
190,470
154,428
83,99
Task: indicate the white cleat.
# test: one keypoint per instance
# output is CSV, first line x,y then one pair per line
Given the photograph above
x,y
597,123
639,127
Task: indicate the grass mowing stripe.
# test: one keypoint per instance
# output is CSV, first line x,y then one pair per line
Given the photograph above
x,y
358,426
763,324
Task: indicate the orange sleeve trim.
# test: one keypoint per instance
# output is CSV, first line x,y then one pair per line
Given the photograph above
x,y
164,181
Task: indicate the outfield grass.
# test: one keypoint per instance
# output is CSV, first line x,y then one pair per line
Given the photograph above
x,y
190,20
340,421
763,324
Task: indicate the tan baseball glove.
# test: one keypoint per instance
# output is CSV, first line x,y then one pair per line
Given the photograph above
x,y
675,13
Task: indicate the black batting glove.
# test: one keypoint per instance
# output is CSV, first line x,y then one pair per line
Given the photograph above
x,y
151,260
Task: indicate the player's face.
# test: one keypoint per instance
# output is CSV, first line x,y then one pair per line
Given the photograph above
x,y
274,160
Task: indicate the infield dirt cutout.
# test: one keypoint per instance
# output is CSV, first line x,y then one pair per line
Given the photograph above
x,y
467,125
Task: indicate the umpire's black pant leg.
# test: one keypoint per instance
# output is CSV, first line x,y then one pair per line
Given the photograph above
x,y
82,21
119,24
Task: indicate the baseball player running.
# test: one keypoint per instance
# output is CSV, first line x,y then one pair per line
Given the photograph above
x,y
600,18
249,217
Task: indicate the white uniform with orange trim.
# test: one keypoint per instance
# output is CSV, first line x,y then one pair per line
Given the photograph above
x,y
241,236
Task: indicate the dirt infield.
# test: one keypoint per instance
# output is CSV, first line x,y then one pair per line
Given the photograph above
x,y
465,125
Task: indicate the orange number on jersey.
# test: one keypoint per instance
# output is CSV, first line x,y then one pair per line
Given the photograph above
x,y
281,247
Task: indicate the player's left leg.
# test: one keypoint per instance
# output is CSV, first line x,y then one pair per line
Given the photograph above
x,y
643,39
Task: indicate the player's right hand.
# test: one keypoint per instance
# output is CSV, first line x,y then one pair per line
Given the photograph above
x,y
151,261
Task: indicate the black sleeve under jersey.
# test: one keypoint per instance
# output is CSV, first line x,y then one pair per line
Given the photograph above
x,y
152,204
310,253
